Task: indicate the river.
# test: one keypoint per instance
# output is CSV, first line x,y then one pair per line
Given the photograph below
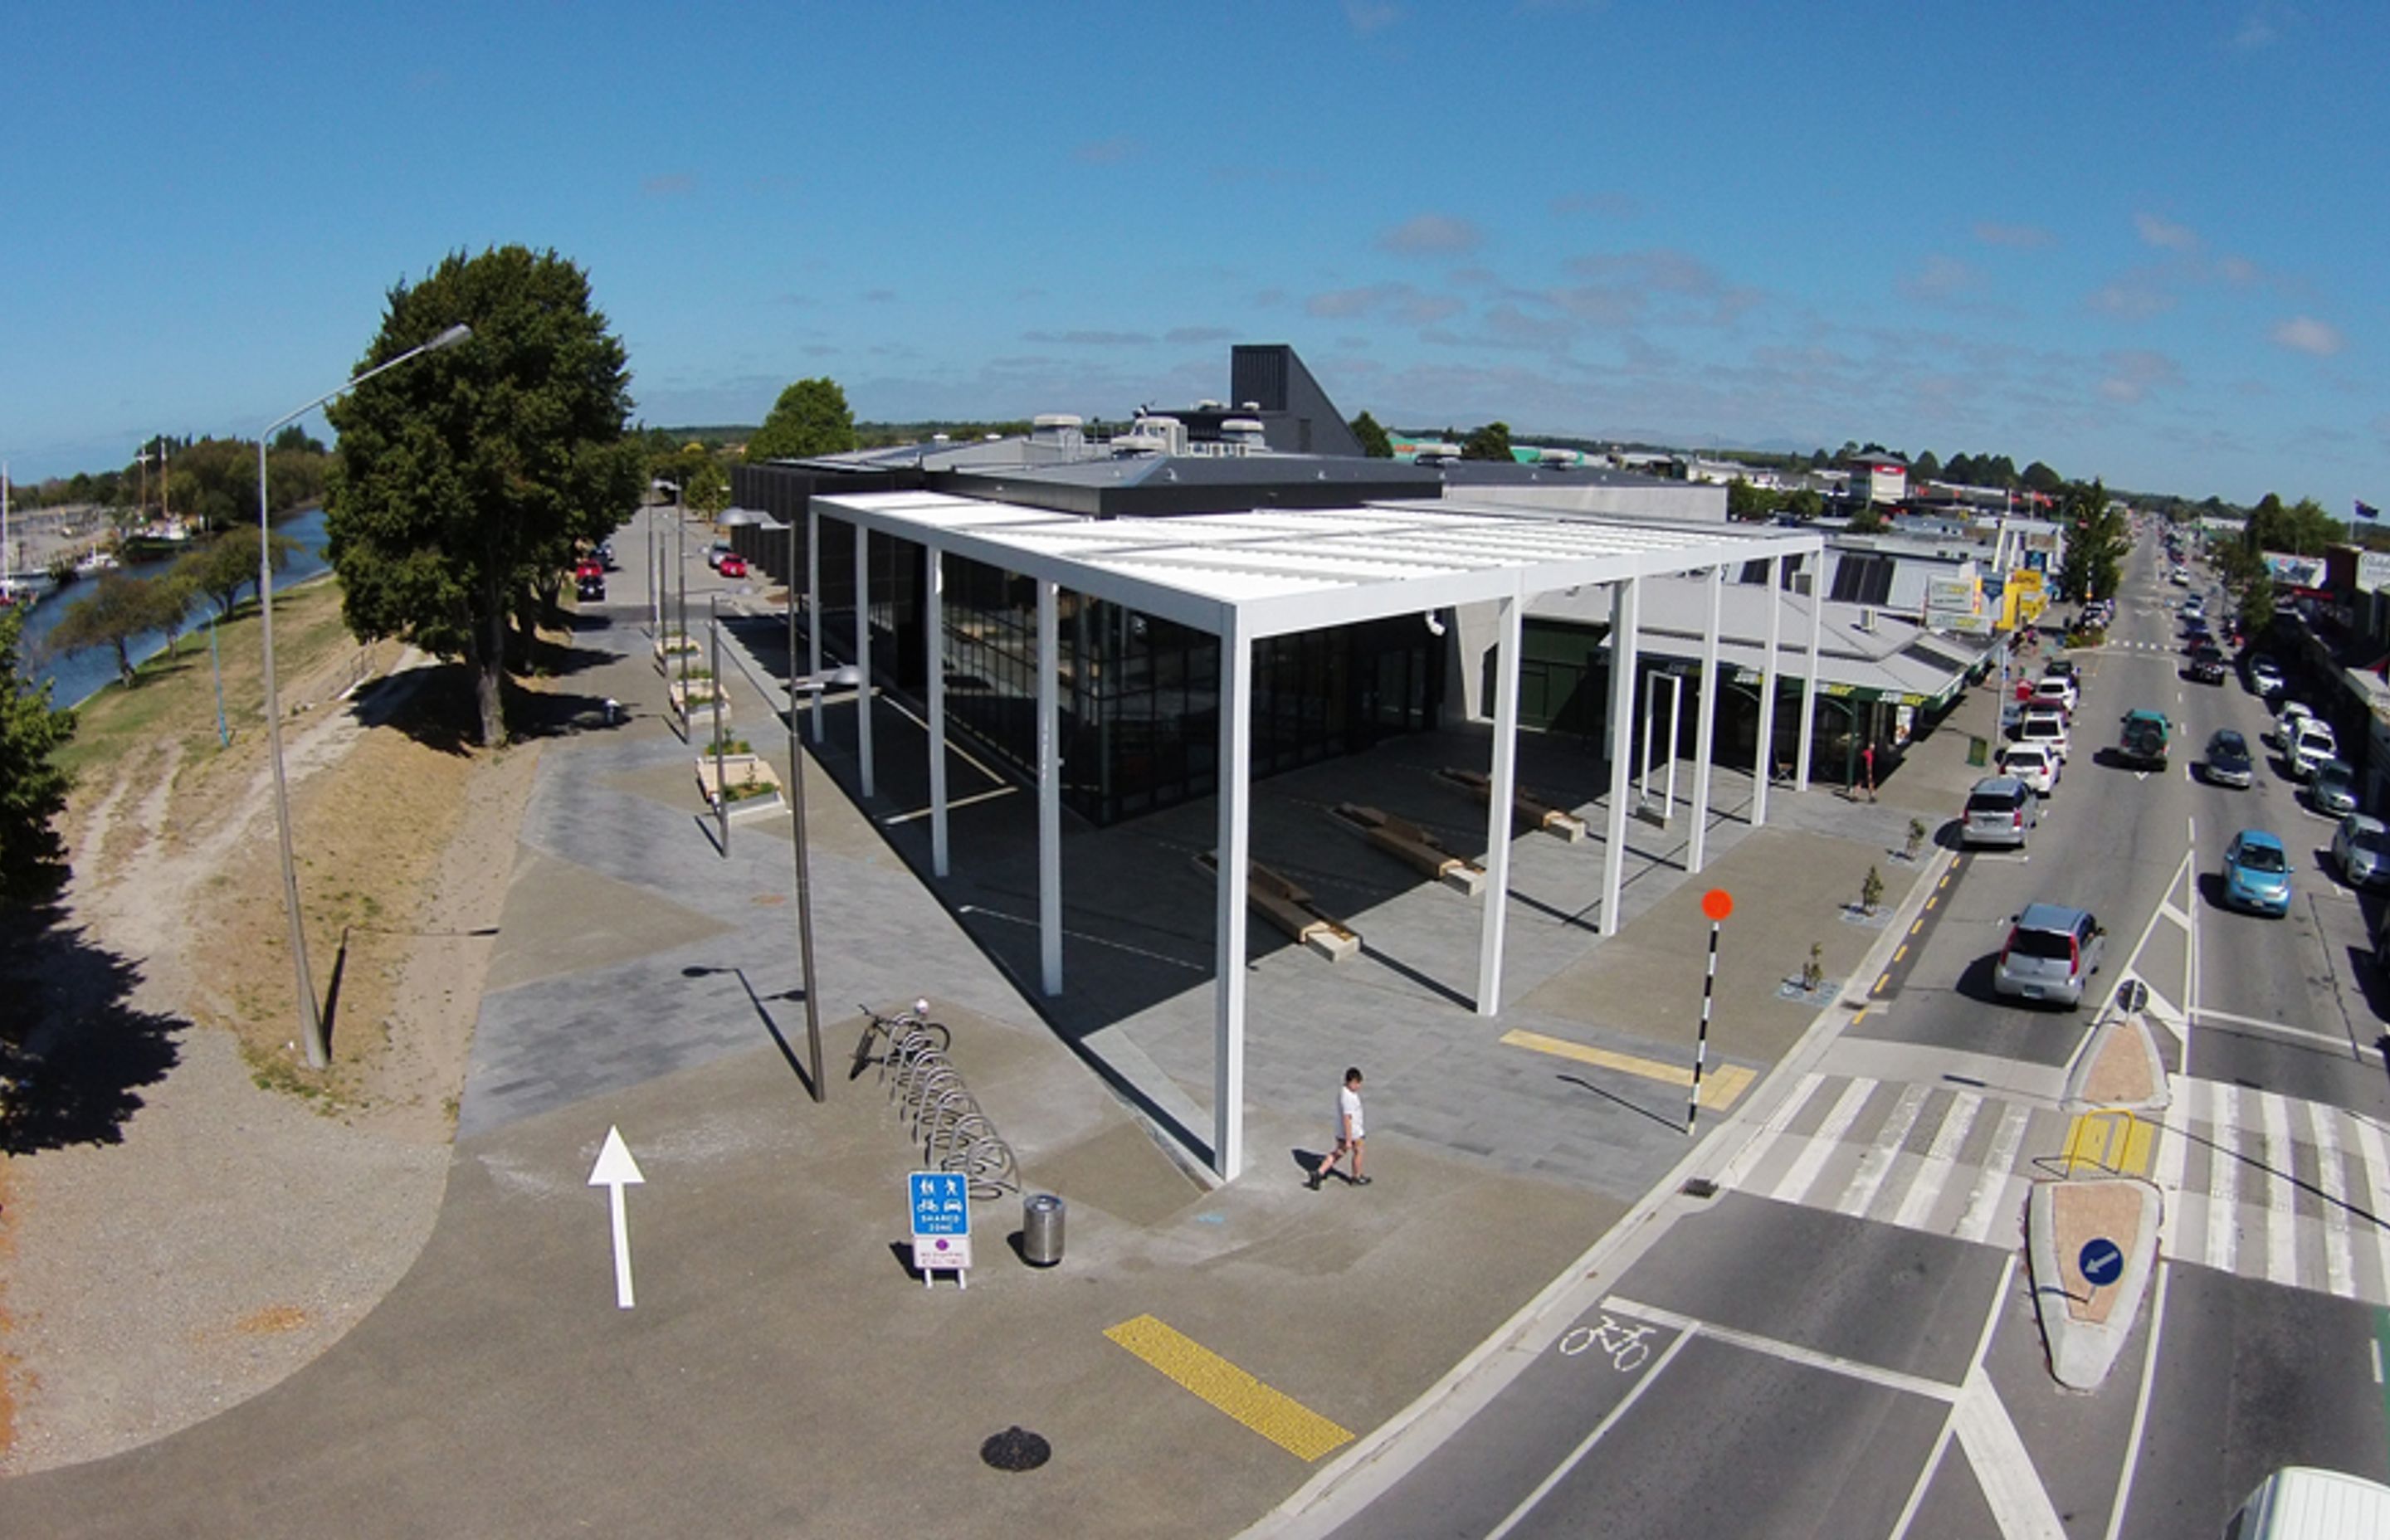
x,y
84,675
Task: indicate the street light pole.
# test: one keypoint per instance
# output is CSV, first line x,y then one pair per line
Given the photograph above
x,y
310,1022
810,684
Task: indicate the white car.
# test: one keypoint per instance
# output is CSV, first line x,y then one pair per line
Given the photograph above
x,y
2292,714
2265,676
2036,765
2046,726
2309,744
2056,689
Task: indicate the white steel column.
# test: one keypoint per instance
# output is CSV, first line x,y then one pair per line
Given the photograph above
x,y
933,622
1705,730
1764,762
1050,799
1625,607
863,655
1498,813
1228,929
1810,684
813,607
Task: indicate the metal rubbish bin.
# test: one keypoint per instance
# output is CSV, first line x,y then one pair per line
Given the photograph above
x,y
1041,1229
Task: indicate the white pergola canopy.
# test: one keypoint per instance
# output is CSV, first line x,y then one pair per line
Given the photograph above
x,y
1244,576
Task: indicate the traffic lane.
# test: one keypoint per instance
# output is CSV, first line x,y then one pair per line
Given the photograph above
x,y
1954,1504
2105,843
1731,1441
1892,1299
2331,1053
1478,1476
2251,1377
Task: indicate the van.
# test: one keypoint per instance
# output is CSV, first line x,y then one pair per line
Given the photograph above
x,y
2299,1502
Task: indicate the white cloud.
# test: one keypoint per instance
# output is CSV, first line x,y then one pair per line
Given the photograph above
x,y
2240,271
1432,235
1089,339
1400,300
2165,233
1941,279
2131,376
2305,334
2255,32
676,184
1368,16
1106,152
1185,336
2133,297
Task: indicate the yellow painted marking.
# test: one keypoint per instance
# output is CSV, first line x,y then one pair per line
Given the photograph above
x,y
1860,1016
2112,1140
1899,952
1720,1087
1920,925
1884,983
1277,1417
1931,900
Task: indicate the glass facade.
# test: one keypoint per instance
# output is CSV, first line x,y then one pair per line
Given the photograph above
x,y
1140,696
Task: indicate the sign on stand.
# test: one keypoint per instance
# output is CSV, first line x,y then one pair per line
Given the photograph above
x,y
940,1201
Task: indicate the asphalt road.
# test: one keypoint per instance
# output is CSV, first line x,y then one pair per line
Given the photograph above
x,y
1772,1367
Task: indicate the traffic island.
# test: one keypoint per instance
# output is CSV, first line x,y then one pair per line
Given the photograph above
x,y
2091,1245
2120,1067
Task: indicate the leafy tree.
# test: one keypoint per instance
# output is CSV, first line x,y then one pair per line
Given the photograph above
x,y
2040,477
703,486
121,608
469,474
295,438
2302,528
1925,466
33,787
1868,520
811,418
1806,504
1374,443
1489,442
227,564
2096,539
2256,602
1749,503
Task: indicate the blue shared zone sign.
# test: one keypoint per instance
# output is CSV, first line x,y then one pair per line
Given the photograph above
x,y
941,1202
2102,1262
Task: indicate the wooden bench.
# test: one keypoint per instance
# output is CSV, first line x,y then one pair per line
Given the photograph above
x,y
1412,845
1288,906
1526,806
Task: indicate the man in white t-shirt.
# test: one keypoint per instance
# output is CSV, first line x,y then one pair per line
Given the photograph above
x,y
1349,1132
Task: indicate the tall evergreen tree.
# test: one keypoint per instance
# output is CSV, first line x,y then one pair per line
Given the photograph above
x,y
1374,443
33,787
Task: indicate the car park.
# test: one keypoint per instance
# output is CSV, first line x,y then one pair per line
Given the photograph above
x,y
2333,789
2045,725
2036,765
2360,848
2228,761
732,566
2051,953
2001,810
2257,874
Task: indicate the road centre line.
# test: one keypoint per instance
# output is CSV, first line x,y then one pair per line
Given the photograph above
x,y
1584,1447
1720,1086
2140,1405
1212,1379
1791,1352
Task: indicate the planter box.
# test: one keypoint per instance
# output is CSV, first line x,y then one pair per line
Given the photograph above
x,y
741,771
697,700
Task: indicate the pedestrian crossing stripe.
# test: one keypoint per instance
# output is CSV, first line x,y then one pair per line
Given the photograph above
x,y
2113,1140
1720,1087
1276,1416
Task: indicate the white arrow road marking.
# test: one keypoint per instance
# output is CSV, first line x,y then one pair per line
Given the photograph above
x,y
615,1170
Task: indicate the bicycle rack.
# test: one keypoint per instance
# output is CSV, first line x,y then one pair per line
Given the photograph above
x,y
936,1106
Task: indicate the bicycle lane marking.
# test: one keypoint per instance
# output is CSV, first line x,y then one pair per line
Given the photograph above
x,y
1584,1445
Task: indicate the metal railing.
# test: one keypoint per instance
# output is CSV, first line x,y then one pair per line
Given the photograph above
x,y
938,1109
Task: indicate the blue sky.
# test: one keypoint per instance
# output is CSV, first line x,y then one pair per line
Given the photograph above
x,y
2139,241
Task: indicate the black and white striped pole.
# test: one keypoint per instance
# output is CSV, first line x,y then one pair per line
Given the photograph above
x,y
1716,903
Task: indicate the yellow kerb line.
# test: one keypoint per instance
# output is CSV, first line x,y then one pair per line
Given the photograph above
x,y
1277,1417
1720,1087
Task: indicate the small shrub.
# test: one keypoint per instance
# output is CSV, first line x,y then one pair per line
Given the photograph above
x,y
1813,972
1871,891
1916,838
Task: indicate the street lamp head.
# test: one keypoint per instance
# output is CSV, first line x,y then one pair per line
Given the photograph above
x,y
449,339
828,679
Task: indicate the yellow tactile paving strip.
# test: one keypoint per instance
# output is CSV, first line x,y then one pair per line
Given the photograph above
x,y
1720,1087
1277,1417
2114,1141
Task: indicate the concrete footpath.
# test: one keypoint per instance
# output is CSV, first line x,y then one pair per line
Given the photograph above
x,y
1200,1354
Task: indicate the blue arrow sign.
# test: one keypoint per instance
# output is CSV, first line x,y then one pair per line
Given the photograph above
x,y
941,1204
2102,1262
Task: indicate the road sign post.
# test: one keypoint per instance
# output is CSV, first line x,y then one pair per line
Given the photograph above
x,y
1717,904
940,1206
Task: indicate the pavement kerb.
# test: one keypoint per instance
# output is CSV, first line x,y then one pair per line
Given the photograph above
x,y
1382,1456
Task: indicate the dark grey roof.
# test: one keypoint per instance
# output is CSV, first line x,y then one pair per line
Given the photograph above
x,y
1517,473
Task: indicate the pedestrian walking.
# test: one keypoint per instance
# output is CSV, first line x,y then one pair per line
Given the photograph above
x,y
1349,1132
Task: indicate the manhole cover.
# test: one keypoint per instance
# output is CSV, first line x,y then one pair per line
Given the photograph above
x,y
1016,1448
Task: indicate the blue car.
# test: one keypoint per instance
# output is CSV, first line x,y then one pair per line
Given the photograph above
x,y
2257,874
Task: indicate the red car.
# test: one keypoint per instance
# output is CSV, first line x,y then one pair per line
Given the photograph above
x,y
589,568
734,566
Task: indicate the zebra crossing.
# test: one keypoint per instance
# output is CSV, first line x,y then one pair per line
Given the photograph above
x,y
2255,1183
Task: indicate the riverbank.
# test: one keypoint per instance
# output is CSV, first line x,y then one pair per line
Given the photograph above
x,y
176,1175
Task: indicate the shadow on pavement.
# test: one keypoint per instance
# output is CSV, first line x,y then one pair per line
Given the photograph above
x,y
75,1053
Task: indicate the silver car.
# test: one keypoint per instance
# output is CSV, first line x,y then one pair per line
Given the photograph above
x,y
2360,848
2001,810
2334,789
2051,955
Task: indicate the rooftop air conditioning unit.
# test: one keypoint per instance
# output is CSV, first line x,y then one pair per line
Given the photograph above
x,y
1867,619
